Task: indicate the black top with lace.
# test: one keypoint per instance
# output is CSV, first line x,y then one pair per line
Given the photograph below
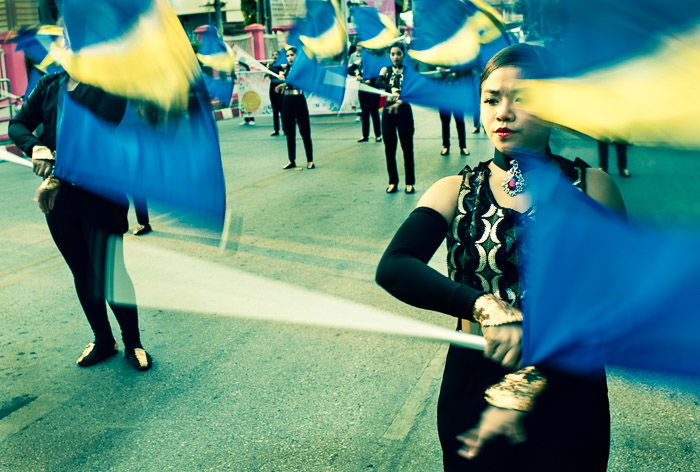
x,y
482,249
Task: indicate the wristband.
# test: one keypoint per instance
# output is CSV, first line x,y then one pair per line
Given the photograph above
x,y
517,391
491,311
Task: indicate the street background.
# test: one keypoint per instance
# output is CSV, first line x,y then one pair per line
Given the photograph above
x,y
243,395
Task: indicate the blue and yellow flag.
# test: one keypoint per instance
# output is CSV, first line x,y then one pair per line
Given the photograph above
x,y
131,48
165,147
375,30
321,65
625,71
218,61
375,33
457,34
453,40
35,43
599,289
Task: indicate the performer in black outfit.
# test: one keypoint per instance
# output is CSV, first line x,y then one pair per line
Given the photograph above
x,y
141,209
369,102
492,414
86,228
397,118
275,98
295,111
461,134
621,149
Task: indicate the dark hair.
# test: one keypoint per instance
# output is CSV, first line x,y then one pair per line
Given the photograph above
x,y
532,60
400,45
291,48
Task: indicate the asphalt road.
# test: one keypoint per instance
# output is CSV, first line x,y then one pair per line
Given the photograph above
x,y
245,395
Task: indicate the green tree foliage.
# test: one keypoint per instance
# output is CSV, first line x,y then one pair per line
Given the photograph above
x,y
249,8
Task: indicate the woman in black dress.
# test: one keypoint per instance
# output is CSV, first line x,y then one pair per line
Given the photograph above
x,y
397,118
493,415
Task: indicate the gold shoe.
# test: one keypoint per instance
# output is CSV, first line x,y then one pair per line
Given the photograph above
x,y
95,353
139,358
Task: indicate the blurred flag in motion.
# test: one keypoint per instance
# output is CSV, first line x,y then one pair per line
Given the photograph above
x,y
602,290
375,32
164,147
625,71
320,66
35,43
132,48
450,47
218,61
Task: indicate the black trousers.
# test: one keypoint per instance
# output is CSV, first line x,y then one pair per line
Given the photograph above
x,y
568,430
459,122
369,104
141,208
603,154
295,112
87,230
276,102
400,123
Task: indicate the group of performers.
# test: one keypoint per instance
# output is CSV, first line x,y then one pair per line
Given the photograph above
x,y
493,414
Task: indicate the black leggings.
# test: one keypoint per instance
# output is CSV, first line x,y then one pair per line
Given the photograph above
x,y
459,122
78,225
401,123
603,154
276,103
295,111
369,105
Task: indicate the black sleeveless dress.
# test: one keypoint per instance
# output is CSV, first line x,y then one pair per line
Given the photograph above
x,y
569,428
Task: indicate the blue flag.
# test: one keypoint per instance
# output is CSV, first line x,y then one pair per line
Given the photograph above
x,y
451,45
218,61
165,149
458,34
602,290
624,71
457,92
375,30
36,43
321,65
373,62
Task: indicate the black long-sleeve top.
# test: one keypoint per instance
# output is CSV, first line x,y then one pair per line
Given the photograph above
x,y
403,270
41,110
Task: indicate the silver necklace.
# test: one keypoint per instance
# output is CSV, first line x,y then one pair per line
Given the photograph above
x,y
514,183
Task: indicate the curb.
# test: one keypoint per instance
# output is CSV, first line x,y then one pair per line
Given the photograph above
x,y
226,113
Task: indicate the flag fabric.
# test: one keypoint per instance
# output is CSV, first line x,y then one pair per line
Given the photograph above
x,y
445,90
375,30
35,43
132,48
624,71
165,148
175,163
373,62
459,34
602,290
218,61
320,66
281,58
450,47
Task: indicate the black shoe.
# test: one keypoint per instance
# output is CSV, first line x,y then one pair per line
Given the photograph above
x,y
410,189
138,358
445,151
95,353
310,165
378,139
363,140
392,188
464,152
276,133
625,173
289,165
143,229
476,130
